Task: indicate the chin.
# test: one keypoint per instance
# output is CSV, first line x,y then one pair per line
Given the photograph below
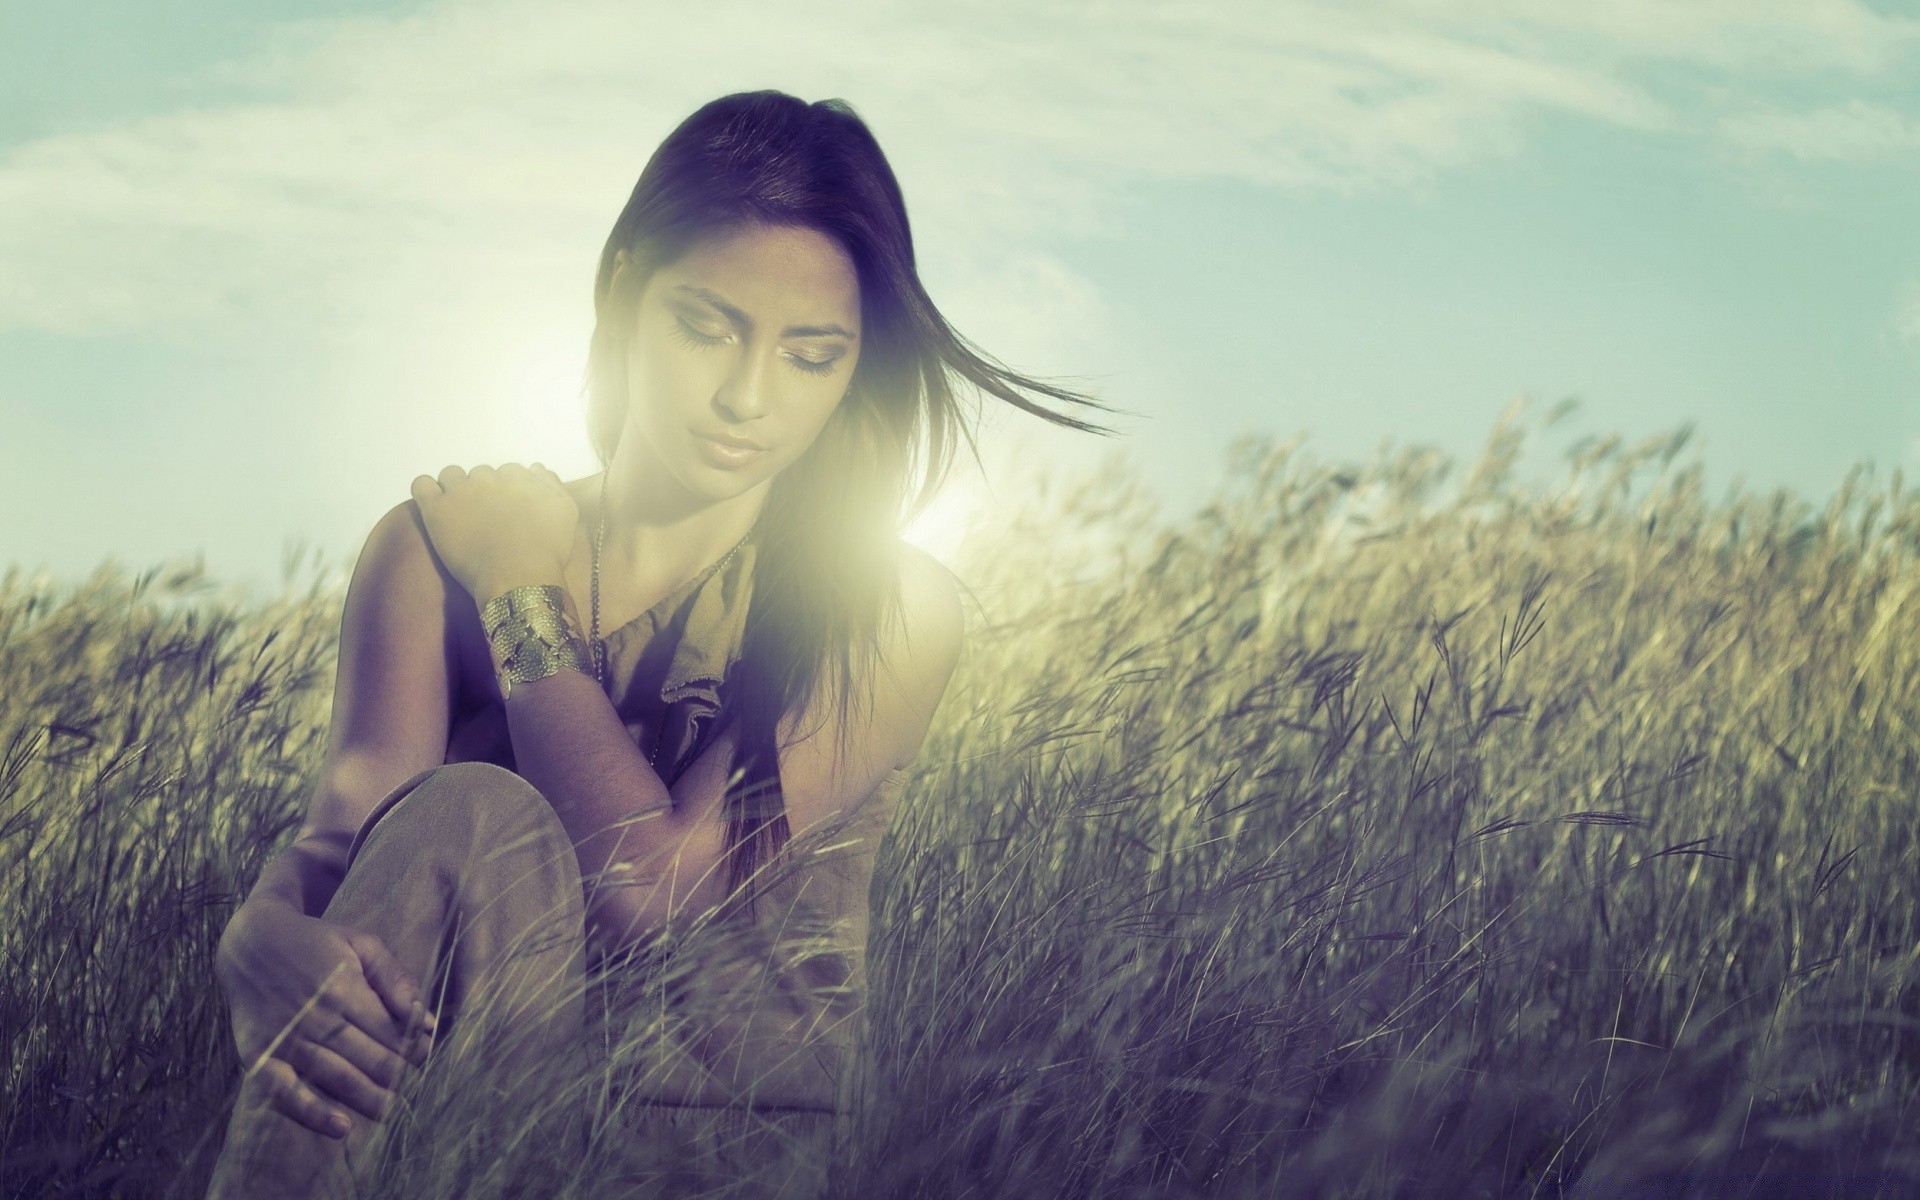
x,y
725,488
717,483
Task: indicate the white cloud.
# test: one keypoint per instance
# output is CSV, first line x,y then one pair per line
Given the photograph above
x,y
1740,37
1854,132
406,210
411,169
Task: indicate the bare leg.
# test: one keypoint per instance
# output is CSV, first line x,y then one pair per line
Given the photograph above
x,y
467,875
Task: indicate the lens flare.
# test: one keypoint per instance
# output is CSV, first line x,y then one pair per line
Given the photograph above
x,y
942,527
542,412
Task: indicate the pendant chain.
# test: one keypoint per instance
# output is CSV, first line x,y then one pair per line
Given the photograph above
x,y
599,531
599,647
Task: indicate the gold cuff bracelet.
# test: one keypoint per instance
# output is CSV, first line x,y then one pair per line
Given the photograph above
x,y
532,633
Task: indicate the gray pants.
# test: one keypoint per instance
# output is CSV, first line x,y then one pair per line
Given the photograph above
x,y
467,875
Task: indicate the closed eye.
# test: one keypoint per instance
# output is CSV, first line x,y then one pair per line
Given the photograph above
x,y
812,367
692,335
697,337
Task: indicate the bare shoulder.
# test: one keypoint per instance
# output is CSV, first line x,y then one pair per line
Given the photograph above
x,y
393,685
398,543
398,564
417,579
932,623
919,652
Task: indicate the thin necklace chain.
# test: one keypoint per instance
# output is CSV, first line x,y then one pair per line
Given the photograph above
x,y
599,531
599,534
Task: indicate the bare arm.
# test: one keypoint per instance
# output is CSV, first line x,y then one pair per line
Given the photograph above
x,y
570,744
321,1009
391,701
301,878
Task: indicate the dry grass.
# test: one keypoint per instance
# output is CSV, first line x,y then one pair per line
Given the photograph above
x,y
1371,834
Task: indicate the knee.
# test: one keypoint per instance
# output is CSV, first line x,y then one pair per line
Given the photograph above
x,y
478,801
474,778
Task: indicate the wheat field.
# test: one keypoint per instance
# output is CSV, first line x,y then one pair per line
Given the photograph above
x,y
1385,829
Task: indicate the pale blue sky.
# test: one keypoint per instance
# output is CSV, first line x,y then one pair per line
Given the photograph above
x,y
262,264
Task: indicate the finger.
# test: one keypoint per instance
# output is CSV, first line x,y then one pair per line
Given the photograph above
x,y
451,476
291,1095
390,980
425,489
358,1025
338,1080
368,1055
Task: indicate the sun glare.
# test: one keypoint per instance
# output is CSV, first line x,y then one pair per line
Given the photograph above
x,y
543,413
943,526
541,417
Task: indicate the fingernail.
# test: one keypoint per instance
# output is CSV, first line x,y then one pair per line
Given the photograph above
x,y
339,1124
430,1021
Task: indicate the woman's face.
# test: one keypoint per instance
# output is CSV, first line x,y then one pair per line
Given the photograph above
x,y
743,348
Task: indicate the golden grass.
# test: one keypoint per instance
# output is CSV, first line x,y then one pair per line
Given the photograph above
x,y
1366,834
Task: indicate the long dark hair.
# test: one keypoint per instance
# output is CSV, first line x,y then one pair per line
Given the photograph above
x,y
825,577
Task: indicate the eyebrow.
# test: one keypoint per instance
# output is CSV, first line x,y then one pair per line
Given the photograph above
x,y
745,322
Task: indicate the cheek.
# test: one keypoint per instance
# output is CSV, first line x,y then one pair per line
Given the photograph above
x,y
806,418
665,379
818,408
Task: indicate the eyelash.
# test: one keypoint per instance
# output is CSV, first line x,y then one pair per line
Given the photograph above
x,y
814,368
693,337
690,336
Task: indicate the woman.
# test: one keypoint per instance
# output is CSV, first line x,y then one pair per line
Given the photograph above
x,y
769,394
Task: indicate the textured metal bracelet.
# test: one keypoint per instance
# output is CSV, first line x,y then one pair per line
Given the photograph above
x,y
532,634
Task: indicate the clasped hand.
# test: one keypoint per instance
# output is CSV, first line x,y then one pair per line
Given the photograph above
x,y
325,1013
495,528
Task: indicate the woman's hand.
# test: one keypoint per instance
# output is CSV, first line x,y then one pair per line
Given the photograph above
x,y
324,1011
496,528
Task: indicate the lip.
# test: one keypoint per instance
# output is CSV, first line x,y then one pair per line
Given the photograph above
x,y
727,453
730,440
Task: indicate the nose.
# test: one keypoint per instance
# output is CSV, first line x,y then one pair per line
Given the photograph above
x,y
743,396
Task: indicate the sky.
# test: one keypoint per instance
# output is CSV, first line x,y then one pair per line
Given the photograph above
x,y
262,264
